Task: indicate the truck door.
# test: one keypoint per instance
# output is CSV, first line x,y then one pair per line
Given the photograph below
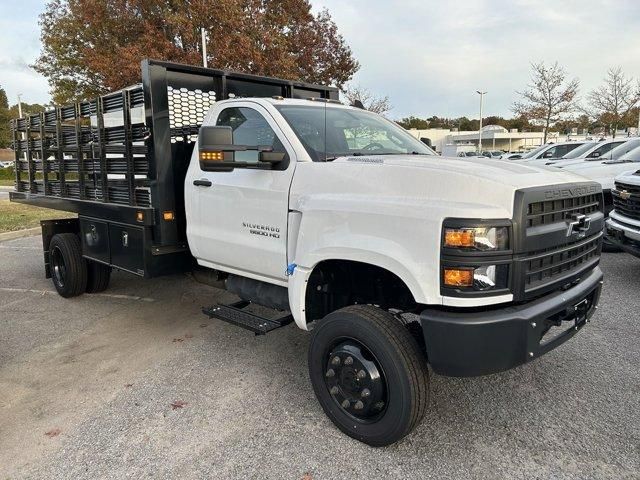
x,y
238,219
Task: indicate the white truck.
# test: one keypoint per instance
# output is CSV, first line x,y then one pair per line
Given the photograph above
x,y
330,216
623,224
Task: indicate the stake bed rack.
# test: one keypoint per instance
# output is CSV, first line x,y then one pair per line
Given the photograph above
x,y
119,160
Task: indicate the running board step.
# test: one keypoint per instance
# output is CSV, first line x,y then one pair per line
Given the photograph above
x,y
234,313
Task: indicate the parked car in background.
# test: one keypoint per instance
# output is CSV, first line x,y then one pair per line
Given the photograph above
x,y
623,224
604,172
7,164
605,150
550,150
493,153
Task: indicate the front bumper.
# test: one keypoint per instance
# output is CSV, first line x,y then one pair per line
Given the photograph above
x,y
624,233
464,344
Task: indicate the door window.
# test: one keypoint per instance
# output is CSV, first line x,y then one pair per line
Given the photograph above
x,y
249,128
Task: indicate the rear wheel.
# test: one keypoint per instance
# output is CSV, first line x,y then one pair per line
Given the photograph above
x,y
369,374
98,276
68,268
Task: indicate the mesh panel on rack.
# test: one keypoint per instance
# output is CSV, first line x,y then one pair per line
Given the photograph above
x,y
187,109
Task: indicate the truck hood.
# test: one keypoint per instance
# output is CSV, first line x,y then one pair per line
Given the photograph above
x,y
417,185
631,178
604,172
516,175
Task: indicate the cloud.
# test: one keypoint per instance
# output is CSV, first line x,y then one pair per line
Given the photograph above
x,y
430,57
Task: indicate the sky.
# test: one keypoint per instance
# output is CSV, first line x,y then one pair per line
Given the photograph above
x,y
428,56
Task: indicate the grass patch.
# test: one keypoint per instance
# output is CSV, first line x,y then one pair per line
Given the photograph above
x,y
6,183
17,216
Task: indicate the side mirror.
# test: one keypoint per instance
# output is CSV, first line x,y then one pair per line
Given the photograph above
x,y
215,149
547,155
217,153
595,154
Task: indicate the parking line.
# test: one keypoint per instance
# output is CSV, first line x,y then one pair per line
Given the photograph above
x,y
107,295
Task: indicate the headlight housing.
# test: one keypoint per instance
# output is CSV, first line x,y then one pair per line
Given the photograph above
x,y
481,239
476,257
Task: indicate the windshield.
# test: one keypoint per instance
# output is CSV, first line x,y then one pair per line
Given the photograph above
x,y
328,133
535,151
578,151
632,155
620,150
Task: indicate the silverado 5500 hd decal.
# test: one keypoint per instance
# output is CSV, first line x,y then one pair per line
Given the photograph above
x,y
264,230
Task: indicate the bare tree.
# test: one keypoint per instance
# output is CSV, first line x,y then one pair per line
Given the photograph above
x,y
548,97
615,98
370,102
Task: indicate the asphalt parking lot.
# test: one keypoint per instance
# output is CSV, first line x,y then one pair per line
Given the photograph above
x,y
137,383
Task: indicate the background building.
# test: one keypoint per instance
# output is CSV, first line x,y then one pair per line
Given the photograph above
x,y
494,137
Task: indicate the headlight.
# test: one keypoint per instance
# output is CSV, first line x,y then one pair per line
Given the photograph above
x,y
482,278
483,239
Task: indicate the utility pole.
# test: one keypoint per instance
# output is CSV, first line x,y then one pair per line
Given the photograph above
x,y
204,47
482,94
20,105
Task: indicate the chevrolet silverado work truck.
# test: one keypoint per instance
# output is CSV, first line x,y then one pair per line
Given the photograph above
x,y
321,214
623,224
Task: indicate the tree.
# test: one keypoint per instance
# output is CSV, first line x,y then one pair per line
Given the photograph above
x,y
370,102
91,47
615,98
413,122
27,109
5,129
548,97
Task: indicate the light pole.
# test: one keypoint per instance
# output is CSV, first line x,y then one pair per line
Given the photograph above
x,y
482,94
204,47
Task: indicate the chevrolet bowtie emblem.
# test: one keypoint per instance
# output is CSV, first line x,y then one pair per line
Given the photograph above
x,y
578,225
624,194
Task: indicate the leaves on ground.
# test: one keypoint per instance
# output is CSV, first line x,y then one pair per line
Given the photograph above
x,y
54,432
178,404
307,476
176,340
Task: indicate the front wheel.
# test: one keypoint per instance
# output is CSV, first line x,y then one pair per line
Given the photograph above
x,y
369,374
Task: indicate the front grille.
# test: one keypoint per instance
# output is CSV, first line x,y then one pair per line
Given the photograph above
x,y
629,207
552,211
560,239
556,263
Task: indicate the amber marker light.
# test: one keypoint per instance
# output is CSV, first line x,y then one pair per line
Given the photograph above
x,y
140,216
455,238
168,216
458,277
212,156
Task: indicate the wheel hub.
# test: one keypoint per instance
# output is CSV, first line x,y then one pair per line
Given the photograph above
x,y
355,381
59,267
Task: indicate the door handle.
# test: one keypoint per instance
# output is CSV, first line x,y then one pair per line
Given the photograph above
x,y
203,182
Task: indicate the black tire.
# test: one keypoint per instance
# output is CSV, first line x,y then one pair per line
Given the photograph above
x,y
98,276
388,345
68,268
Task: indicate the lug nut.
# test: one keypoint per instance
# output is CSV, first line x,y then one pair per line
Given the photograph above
x,y
348,361
365,393
335,361
378,405
346,404
359,405
334,390
330,373
362,374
